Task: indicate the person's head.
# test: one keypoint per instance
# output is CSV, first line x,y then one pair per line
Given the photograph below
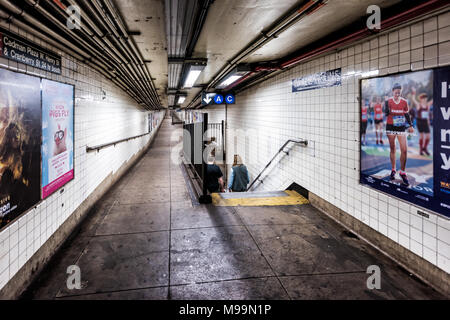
x,y
397,90
237,160
423,98
378,99
211,160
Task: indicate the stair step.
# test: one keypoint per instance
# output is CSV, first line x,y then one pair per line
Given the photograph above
x,y
246,195
258,199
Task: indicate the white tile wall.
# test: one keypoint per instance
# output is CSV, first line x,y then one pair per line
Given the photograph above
x,y
329,118
97,121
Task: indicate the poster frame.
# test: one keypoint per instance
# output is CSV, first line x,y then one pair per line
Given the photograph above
x,y
61,189
424,211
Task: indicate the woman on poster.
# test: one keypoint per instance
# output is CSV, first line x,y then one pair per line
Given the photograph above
x,y
364,121
378,116
423,120
398,125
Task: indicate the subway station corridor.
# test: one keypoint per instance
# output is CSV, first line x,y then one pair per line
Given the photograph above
x,y
194,152
145,240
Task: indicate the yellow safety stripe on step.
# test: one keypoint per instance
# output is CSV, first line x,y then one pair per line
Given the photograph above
x,y
293,199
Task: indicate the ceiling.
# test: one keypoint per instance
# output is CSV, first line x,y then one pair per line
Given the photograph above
x,y
148,18
168,36
232,24
175,30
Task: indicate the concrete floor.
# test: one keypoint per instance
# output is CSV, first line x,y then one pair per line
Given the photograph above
x,y
145,240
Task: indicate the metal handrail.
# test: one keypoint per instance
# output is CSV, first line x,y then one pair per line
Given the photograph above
x,y
106,145
303,142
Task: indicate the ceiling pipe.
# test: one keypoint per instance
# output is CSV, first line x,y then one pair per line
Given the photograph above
x,y
117,57
200,22
68,46
266,36
386,24
132,69
355,36
132,44
8,17
60,42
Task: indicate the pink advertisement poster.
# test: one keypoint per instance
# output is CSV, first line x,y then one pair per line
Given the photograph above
x,y
58,140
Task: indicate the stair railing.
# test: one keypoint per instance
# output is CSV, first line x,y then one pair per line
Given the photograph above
x,y
302,142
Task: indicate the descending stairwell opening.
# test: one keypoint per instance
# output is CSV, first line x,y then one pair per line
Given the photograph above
x,y
299,189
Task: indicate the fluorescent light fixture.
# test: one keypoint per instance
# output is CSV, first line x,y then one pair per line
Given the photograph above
x,y
194,73
229,81
181,99
362,74
171,100
239,72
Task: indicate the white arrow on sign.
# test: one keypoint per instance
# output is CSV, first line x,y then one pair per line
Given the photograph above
x,y
207,100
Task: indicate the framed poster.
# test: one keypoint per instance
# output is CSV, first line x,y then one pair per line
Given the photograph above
x,y
57,136
20,144
150,122
405,137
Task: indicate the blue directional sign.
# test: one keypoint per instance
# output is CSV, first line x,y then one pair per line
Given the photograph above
x,y
208,98
230,99
218,99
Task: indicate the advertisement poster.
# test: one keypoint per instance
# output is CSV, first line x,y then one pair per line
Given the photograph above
x,y
319,80
20,144
155,120
150,122
57,132
405,137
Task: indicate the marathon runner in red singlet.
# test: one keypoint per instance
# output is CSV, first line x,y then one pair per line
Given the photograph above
x,y
423,120
398,122
378,112
364,122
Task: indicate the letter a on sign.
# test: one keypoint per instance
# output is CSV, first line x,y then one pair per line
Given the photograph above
x,y
218,99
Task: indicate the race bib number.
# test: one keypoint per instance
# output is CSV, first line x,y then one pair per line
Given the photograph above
x,y
399,121
425,114
364,116
378,116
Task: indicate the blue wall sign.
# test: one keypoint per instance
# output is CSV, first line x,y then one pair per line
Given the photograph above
x,y
319,80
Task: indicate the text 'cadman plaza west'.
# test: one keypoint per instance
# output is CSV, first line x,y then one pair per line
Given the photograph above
x,y
231,158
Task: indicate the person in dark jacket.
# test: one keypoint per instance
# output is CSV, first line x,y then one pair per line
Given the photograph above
x,y
239,176
214,177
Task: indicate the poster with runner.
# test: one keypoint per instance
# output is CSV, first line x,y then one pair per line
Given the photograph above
x,y
20,144
57,132
403,129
